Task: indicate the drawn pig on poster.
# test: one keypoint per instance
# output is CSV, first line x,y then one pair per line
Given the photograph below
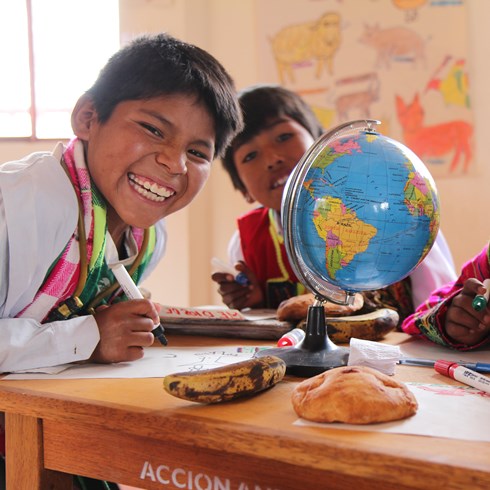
x,y
392,43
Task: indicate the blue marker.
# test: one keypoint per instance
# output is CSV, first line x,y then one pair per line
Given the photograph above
x,y
479,367
220,266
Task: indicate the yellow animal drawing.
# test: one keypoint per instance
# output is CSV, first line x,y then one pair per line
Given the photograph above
x,y
324,115
452,82
315,41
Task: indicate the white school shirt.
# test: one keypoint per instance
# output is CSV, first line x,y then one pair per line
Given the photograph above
x,y
433,272
38,213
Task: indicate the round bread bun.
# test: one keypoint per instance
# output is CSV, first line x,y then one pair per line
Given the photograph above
x,y
353,395
296,308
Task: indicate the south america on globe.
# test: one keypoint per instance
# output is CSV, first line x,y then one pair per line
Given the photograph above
x,y
362,211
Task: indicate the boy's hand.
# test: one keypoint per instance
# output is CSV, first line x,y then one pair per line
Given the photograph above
x,y
125,328
463,323
236,296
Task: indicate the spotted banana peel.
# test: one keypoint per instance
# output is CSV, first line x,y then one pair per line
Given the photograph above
x,y
369,326
228,382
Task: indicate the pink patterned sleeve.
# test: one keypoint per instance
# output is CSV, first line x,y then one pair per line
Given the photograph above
x,y
430,317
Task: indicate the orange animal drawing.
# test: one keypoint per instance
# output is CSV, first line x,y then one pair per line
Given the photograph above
x,y
436,140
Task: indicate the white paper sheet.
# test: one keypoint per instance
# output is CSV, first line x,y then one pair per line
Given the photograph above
x,y
157,362
444,411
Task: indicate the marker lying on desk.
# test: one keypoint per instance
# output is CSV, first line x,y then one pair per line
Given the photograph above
x,y
481,300
479,367
220,266
291,338
132,292
459,373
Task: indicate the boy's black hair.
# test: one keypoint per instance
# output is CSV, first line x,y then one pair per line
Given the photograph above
x,y
152,66
260,104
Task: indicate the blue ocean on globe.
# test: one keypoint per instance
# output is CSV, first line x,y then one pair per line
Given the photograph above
x,y
366,212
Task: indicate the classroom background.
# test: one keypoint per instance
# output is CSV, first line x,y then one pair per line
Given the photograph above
x,y
233,31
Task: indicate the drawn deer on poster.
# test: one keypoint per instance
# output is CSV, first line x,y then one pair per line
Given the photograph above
x,y
435,140
358,101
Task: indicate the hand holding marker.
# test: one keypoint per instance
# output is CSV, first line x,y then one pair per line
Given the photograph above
x,y
480,301
220,266
132,292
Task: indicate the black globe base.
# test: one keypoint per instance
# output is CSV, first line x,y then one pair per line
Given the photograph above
x,y
316,353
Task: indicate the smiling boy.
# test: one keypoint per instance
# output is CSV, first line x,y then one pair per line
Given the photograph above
x,y
145,133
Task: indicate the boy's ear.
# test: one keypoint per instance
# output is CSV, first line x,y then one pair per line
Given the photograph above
x,y
248,197
82,116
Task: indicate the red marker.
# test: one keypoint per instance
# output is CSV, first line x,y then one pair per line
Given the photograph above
x,y
460,373
291,338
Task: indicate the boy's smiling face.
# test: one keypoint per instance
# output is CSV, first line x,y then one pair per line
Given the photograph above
x,y
265,161
150,158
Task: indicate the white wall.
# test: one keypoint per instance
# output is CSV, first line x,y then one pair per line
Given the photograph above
x,y
227,29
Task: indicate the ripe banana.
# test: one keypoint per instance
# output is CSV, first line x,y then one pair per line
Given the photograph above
x,y
370,326
226,382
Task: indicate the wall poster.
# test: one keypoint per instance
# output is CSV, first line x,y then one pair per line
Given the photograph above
x,y
403,62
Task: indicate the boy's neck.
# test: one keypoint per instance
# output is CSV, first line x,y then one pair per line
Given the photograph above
x,y
117,230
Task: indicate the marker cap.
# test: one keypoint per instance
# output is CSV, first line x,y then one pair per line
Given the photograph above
x,y
242,279
479,303
291,338
443,367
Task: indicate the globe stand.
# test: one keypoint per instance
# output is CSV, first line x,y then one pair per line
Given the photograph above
x,y
331,210
316,353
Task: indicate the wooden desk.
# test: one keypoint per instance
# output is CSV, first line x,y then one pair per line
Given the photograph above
x,y
122,429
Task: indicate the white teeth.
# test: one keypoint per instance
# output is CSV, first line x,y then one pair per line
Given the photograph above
x,y
280,182
151,191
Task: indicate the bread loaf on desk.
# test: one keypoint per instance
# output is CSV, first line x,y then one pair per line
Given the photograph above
x,y
296,308
353,395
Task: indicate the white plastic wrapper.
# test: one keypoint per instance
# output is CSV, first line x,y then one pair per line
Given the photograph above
x,y
382,357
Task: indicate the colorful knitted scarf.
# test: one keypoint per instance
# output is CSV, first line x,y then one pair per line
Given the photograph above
x,y
54,300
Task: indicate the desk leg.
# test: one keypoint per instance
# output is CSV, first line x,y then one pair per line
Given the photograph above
x,y
24,457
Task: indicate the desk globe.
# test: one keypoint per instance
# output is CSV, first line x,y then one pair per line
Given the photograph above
x,y
360,211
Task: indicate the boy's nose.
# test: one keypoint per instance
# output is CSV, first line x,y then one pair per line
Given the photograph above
x,y
273,158
175,161
274,162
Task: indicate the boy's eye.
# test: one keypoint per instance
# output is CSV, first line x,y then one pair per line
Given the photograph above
x,y
200,155
284,136
152,129
249,156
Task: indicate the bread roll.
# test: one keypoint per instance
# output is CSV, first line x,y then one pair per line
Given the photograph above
x,y
353,395
296,308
